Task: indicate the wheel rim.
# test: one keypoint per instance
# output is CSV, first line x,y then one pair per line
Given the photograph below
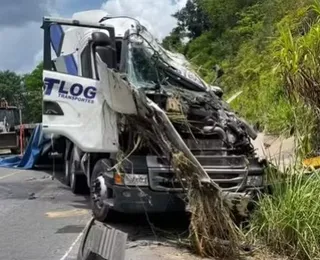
x,y
96,192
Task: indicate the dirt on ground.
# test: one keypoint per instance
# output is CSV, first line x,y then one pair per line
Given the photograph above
x,y
278,149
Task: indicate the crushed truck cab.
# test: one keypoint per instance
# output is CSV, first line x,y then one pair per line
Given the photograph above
x,y
94,68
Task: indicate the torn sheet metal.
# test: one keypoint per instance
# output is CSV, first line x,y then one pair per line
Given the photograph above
x,y
116,91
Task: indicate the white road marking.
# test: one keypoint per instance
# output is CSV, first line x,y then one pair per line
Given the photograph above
x,y
72,246
8,175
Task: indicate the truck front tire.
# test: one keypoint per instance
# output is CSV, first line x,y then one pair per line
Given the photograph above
x,y
101,211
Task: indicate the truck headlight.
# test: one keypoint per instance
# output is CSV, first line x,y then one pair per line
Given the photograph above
x,y
132,179
255,181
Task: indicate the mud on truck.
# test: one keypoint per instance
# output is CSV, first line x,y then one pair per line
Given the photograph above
x,y
90,62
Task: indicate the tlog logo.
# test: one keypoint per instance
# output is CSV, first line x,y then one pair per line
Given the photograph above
x,y
76,91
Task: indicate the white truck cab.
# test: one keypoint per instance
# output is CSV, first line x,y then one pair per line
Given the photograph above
x,y
89,62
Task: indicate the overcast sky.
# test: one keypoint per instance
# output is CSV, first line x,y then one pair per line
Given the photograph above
x,y
20,20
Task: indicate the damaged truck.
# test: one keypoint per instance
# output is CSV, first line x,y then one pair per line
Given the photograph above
x,y
99,72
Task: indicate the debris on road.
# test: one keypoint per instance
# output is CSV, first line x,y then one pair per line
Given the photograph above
x,y
31,179
31,196
102,241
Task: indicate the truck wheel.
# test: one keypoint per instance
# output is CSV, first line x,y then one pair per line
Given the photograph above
x,y
101,210
78,183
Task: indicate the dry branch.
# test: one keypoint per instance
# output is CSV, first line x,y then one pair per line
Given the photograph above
x,y
211,223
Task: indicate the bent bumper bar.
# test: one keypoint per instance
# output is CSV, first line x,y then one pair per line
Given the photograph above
x,y
140,200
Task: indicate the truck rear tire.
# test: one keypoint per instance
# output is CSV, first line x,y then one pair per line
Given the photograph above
x,y
78,182
100,210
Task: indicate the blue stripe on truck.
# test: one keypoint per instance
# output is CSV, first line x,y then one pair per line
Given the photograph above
x,y
71,65
56,34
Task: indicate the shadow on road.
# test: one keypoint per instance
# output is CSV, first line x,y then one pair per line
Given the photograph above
x,y
145,229
81,204
71,229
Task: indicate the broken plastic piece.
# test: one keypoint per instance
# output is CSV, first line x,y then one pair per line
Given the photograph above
x,y
100,241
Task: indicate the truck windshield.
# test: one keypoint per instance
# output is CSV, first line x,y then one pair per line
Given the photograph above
x,y
145,59
142,70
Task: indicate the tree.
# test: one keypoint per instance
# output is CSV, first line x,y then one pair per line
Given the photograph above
x,y
33,85
192,19
174,40
11,88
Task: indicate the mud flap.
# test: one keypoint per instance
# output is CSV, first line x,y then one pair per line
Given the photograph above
x,y
102,242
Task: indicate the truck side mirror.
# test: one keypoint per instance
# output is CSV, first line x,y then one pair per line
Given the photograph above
x,y
102,45
101,39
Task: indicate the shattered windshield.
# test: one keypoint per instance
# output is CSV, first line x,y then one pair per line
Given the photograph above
x,y
142,69
149,64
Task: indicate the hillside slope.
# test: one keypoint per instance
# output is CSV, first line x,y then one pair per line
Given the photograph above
x,y
248,40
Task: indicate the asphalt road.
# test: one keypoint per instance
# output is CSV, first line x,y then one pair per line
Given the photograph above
x,y
39,217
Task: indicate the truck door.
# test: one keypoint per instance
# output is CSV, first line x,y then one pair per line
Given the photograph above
x,y
73,104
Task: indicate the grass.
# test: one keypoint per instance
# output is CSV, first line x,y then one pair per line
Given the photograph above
x,y
281,91
288,221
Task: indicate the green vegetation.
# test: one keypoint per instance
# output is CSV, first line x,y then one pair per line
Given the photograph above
x,y
269,49
34,83
244,38
288,221
24,91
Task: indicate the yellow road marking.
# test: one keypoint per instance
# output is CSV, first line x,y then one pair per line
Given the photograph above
x,y
8,175
67,213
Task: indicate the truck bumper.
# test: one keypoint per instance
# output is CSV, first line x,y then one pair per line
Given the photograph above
x,y
140,200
